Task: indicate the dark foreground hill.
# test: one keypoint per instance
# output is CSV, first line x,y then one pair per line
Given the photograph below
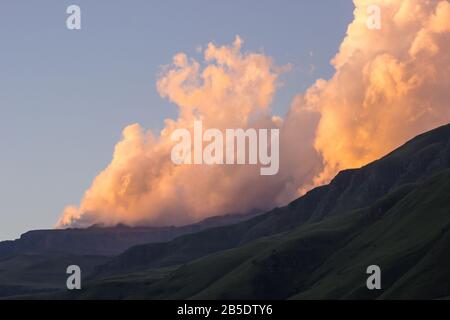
x,y
406,233
394,213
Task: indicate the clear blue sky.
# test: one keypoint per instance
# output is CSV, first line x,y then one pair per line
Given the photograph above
x,y
66,95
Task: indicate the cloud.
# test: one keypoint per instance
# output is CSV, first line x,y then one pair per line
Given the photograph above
x,y
229,89
389,85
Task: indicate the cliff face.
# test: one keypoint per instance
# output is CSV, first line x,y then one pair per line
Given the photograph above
x,y
104,241
416,160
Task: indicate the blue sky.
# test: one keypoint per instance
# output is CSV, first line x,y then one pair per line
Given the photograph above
x,y
66,95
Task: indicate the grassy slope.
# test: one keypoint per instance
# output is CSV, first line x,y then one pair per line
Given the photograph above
x,y
397,243
34,273
405,233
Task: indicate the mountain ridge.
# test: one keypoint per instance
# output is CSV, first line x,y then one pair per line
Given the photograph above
x,y
99,240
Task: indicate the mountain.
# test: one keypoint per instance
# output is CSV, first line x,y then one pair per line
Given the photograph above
x,y
36,263
393,212
105,241
351,189
406,233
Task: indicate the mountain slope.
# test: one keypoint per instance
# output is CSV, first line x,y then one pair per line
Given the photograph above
x,y
406,233
102,241
351,189
25,274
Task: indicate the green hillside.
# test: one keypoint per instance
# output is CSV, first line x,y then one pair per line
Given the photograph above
x,y
406,233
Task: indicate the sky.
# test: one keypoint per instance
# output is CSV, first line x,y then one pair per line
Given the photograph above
x,y
66,95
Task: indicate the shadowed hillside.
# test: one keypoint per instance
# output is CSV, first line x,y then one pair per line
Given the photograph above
x,y
406,233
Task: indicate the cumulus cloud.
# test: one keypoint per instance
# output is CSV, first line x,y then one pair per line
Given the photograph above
x,y
389,85
229,89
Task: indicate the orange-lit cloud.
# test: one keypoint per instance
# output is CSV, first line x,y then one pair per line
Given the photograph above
x,y
389,85
230,89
